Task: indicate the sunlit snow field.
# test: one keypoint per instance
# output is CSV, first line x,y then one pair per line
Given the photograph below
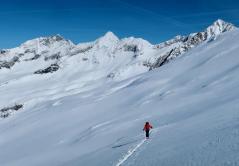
x,y
75,118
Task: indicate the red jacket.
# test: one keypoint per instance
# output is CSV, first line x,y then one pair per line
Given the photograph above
x,y
147,127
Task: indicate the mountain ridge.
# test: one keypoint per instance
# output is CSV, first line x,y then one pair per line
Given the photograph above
x,y
132,53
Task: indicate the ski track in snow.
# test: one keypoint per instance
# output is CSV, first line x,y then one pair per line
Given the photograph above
x,y
124,143
130,153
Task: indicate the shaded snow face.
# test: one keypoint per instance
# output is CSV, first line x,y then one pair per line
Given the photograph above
x,y
78,116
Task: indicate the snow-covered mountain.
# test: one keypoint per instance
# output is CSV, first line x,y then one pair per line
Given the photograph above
x,y
85,104
122,58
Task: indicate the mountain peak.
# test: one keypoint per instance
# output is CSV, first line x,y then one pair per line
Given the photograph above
x,y
53,38
46,41
219,26
109,36
219,21
56,37
108,39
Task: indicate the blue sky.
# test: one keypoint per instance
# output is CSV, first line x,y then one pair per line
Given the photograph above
x,y
86,20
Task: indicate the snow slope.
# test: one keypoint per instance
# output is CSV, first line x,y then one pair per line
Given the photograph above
x,y
77,116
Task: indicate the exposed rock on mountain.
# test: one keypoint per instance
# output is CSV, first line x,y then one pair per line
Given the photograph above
x,y
52,68
7,111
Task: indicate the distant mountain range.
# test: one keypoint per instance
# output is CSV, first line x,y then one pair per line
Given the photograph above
x,y
122,57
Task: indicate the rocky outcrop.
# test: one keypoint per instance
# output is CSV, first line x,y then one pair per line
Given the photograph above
x,y
52,68
7,111
10,63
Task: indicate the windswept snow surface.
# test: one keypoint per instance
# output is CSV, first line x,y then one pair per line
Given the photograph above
x,y
75,118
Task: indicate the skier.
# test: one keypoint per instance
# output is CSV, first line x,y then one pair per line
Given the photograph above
x,y
147,128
